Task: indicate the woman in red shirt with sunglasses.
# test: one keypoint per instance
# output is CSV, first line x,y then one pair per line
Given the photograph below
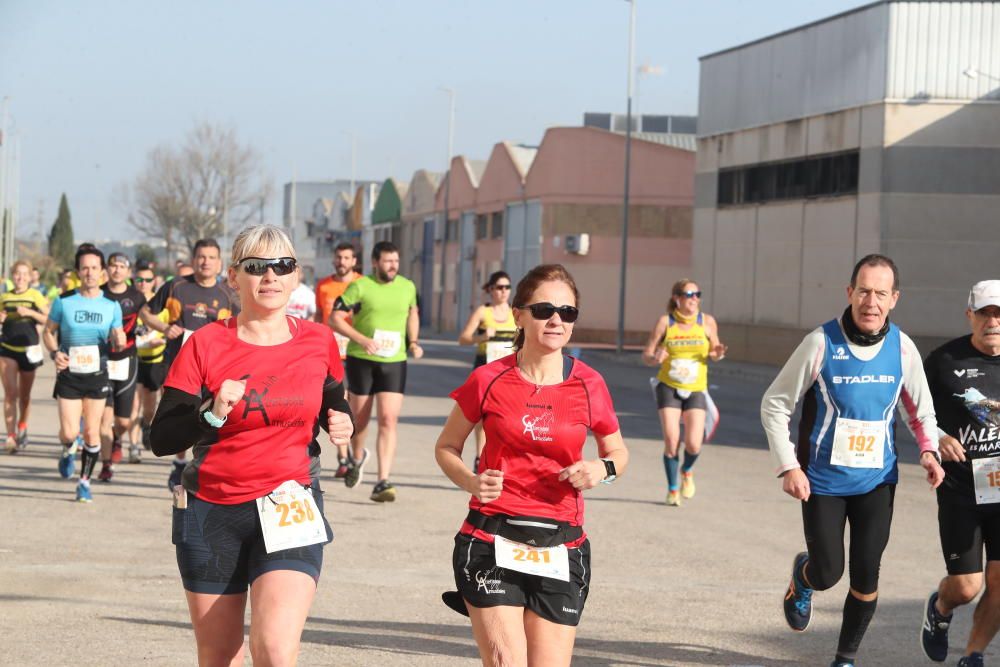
x,y
250,394
521,559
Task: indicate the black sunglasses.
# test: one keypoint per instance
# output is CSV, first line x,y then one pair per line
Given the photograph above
x,y
501,286
258,266
690,294
545,311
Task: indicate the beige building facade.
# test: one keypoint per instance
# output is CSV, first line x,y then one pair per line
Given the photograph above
x,y
877,130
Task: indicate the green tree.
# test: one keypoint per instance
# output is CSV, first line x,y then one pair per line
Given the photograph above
x,y
61,244
144,253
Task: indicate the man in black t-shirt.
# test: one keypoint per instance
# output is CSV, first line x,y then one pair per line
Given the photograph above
x,y
964,378
192,302
123,366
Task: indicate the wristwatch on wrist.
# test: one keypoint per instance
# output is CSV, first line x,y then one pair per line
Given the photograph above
x,y
211,419
609,467
53,354
937,456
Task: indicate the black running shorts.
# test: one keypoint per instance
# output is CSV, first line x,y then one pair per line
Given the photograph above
x,y
482,584
21,358
122,394
668,397
220,548
152,376
75,386
366,377
964,530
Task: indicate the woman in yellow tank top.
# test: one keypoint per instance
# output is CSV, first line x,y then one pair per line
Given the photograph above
x,y
681,344
492,329
22,309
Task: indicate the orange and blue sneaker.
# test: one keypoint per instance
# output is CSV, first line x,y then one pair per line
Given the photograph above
x,y
798,598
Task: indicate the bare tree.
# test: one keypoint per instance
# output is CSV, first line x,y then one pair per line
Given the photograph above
x,y
211,186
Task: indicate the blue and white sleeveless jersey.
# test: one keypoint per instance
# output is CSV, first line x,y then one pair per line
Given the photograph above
x,y
858,398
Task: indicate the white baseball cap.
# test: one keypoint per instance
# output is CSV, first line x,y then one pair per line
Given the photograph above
x,y
984,293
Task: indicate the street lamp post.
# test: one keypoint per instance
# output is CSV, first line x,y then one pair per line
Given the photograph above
x,y
620,344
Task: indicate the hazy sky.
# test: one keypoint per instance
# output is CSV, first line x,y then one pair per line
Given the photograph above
x,y
94,85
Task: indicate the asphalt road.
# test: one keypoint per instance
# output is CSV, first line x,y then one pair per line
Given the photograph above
x,y
697,585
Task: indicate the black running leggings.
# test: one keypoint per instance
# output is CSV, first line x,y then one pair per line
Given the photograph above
x,y
824,519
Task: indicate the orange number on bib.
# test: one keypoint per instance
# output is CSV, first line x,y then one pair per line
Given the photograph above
x,y
994,478
283,508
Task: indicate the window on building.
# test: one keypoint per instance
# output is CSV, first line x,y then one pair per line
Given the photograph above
x,y
482,226
496,229
824,176
451,231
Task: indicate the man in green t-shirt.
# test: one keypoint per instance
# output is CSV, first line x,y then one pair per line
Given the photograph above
x,y
379,316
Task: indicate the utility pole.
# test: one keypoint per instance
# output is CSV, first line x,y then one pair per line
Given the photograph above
x,y
620,344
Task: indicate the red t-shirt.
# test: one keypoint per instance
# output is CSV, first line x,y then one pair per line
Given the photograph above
x,y
265,440
532,433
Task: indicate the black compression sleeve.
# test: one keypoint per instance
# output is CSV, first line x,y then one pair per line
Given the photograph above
x,y
333,398
340,305
177,424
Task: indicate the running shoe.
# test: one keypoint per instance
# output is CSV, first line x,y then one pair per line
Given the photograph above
x,y
342,468
673,498
116,450
22,439
83,493
972,660
145,436
384,492
175,474
687,484
11,445
67,462
106,472
134,454
934,632
355,469
798,598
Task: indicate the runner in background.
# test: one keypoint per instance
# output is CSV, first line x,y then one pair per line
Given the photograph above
x,y
302,303
191,303
123,367
328,290
83,327
378,313
150,347
681,344
491,328
22,310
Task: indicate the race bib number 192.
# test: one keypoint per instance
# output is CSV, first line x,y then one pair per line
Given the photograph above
x,y
858,444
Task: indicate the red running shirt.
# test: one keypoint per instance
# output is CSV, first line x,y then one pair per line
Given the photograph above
x,y
265,440
534,432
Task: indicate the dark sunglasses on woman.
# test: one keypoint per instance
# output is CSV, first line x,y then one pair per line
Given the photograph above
x,y
545,311
258,266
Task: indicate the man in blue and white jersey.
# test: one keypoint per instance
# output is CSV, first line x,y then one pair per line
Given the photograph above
x,y
83,326
851,374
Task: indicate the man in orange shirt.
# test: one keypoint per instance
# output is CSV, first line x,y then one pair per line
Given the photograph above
x,y
328,290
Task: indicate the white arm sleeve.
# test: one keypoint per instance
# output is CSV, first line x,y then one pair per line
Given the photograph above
x,y
776,408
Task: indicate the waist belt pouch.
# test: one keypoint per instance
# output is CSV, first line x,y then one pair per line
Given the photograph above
x,y
534,530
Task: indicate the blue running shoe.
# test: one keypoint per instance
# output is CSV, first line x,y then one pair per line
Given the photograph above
x,y
934,631
67,462
83,493
972,660
798,598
